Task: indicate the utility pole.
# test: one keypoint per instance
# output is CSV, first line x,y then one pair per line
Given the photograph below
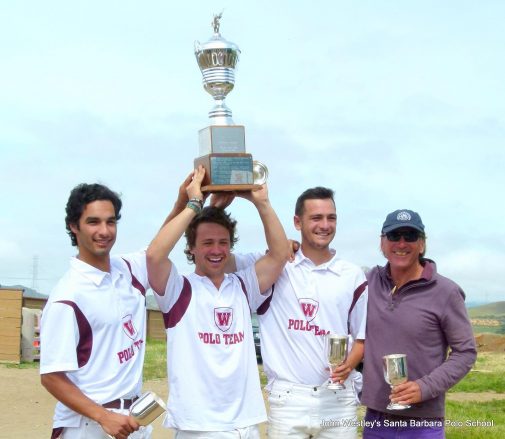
x,y
35,273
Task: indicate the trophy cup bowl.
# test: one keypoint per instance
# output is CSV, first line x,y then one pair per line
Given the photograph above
x,y
336,353
395,372
147,408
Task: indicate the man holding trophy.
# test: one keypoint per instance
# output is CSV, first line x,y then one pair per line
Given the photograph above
x,y
213,377
414,314
94,324
318,300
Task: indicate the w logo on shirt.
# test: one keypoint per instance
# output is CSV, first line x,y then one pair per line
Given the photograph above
x,y
309,308
128,327
223,318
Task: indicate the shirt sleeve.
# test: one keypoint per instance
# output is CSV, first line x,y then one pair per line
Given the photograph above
x,y
243,261
173,290
463,353
250,279
58,348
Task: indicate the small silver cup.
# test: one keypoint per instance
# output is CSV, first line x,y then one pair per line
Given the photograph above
x,y
395,372
336,353
147,408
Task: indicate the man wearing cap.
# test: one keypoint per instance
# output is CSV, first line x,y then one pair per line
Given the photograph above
x,y
412,310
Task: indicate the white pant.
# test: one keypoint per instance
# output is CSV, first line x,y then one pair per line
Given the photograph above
x,y
90,429
251,432
301,411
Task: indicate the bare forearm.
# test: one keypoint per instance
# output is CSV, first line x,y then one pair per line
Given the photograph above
x,y
180,203
168,236
356,354
277,242
64,390
270,266
176,210
114,424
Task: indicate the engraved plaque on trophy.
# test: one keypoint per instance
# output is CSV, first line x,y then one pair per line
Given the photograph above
x,y
228,167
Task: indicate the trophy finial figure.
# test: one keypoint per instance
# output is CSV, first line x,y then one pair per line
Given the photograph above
x,y
216,22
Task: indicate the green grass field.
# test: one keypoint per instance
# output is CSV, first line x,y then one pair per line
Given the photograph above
x,y
155,366
486,375
469,419
489,329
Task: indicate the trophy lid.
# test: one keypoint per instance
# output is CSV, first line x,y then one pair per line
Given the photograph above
x,y
203,52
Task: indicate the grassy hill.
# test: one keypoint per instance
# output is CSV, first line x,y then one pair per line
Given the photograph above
x,y
495,309
489,318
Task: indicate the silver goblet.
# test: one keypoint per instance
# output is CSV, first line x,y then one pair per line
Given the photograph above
x,y
336,354
395,372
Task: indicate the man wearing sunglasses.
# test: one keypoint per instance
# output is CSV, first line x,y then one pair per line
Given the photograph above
x,y
412,310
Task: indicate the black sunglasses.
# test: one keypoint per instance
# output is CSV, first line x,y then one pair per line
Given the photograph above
x,y
408,235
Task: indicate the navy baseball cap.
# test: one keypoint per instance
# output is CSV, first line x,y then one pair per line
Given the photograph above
x,y
402,218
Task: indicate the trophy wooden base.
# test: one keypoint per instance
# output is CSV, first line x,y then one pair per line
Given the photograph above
x,y
227,172
230,187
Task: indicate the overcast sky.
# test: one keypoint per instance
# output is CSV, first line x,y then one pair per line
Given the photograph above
x,y
392,104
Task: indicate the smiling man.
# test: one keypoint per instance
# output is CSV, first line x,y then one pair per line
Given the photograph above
x,y
412,310
93,326
213,377
318,293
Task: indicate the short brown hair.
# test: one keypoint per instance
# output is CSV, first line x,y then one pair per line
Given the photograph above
x,y
209,215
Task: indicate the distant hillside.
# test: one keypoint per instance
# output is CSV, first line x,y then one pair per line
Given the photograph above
x,y
496,309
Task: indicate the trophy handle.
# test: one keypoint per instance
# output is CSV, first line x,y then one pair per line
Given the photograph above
x,y
260,172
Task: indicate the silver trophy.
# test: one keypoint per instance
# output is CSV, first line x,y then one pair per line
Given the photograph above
x,y
222,144
395,372
336,354
147,408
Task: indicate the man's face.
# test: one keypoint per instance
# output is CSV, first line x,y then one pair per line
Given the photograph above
x,y
96,231
317,223
402,255
211,250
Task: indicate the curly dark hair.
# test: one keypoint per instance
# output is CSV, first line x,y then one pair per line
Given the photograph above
x,y
84,194
209,215
315,193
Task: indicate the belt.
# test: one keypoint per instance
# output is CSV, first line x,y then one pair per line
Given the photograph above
x,y
288,386
120,403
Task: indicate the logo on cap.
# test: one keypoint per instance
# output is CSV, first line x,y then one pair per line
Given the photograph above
x,y
403,216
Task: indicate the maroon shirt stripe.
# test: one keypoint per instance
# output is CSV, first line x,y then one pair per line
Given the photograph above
x,y
242,284
357,294
135,282
263,308
174,316
85,344
56,433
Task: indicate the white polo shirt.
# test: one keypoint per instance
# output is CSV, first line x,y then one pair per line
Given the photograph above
x,y
307,302
93,328
213,376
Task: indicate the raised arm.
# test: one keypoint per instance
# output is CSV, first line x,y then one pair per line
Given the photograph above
x,y
158,264
270,266
182,200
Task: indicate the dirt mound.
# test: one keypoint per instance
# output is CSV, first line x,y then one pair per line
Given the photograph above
x,y
490,342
